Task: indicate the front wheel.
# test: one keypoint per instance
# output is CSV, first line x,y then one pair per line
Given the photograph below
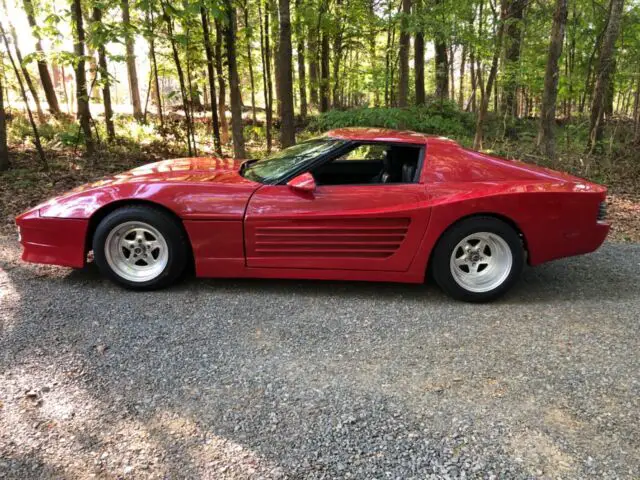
x,y
140,247
478,259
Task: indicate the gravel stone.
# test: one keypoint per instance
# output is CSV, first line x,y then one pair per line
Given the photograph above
x,y
274,379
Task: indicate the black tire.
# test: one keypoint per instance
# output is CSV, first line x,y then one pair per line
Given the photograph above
x,y
441,268
171,231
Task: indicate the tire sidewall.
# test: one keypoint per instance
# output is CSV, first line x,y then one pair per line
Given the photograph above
x,y
164,223
441,269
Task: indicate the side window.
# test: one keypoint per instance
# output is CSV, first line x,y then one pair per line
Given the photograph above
x,y
371,163
365,152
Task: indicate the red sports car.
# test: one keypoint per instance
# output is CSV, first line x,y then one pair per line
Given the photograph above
x,y
354,204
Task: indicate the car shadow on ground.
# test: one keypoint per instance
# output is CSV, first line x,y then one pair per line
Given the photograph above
x,y
594,276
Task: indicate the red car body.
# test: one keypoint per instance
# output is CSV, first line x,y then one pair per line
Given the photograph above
x,y
377,232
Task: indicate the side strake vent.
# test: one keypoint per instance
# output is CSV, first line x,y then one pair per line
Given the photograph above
x,y
354,238
602,211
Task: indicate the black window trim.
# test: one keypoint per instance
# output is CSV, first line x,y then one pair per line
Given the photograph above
x,y
351,145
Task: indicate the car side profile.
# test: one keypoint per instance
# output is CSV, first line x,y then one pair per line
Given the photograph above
x,y
355,204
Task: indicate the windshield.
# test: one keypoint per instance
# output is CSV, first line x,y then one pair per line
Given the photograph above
x,y
277,166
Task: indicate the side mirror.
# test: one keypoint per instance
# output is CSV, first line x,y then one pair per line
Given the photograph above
x,y
303,183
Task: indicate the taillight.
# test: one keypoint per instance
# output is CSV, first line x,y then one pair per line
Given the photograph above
x,y
602,211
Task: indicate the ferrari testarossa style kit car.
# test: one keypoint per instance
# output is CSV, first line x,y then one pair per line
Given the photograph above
x,y
355,204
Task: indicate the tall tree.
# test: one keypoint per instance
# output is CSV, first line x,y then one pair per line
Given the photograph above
x,y
549,94
314,68
266,72
403,80
99,41
204,18
285,85
132,73
302,77
441,60
82,95
418,46
4,148
43,68
23,66
604,70
34,128
154,65
249,30
222,96
234,81
181,81
324,72
485,91
513,42
338,52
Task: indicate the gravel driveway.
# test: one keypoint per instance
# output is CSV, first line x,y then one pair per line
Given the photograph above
x,y
291,379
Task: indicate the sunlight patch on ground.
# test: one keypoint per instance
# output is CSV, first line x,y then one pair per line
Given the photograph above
x,y
77,436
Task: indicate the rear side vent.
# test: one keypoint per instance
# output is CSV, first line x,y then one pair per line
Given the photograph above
x,y
602,211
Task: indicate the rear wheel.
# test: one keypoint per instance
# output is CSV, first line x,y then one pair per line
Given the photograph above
x,y
140,247
478,259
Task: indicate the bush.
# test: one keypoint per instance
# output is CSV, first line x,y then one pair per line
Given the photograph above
x,y
434,118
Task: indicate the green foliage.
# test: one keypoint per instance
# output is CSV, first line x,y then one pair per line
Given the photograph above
x,y
433,118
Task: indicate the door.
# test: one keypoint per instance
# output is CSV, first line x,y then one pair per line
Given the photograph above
x,y
346,227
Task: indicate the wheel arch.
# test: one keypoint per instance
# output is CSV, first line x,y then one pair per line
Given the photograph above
x,y
103,211
508,220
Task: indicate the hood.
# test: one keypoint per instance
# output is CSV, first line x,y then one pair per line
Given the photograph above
x,y
183,170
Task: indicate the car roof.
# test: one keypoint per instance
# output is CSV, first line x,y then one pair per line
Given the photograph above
x,y
374,134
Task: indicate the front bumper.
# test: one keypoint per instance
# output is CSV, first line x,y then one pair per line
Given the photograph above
x,y
55,241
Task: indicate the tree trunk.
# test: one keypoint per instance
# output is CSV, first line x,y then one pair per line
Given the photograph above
x,y
550,92
486,91
513,40
324,73
132,73
104,76
463,58
178,64
606,62
275,32
250,63
4,147
211,76
403,55
266,72
82,98
452,86
285,94
442,70
23,67
156,80
302,77
43,68
636,111
419,67
34,128
222,101
337,58
314,70
234,82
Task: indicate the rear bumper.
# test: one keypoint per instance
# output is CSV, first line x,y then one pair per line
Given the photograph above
x,y
572,243
55,241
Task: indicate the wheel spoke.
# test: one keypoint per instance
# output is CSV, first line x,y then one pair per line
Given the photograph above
x,y
460,261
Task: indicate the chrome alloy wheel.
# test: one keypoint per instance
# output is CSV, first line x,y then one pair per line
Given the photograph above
x,y
136,251
481,262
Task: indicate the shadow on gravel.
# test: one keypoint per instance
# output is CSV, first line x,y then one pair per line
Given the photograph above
x,y
590,277
272,379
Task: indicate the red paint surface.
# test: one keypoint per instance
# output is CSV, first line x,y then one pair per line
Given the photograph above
x,y
239,228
